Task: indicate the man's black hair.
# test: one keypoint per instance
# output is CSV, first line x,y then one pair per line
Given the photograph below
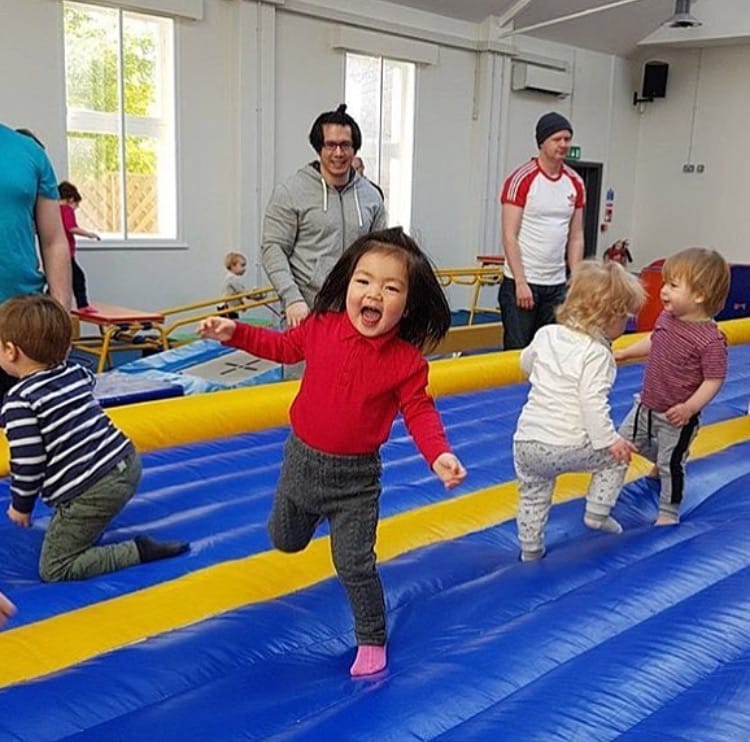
x,y
339,117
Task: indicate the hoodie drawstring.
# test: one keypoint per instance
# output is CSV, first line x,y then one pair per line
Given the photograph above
x,y
324,186
325,194
359,210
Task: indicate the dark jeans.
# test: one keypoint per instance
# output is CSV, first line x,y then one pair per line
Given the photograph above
x,y
79,284
520,325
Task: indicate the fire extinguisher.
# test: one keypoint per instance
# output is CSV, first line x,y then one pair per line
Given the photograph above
x,y
609,205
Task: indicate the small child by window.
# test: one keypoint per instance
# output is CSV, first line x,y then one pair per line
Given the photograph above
x,y
236,265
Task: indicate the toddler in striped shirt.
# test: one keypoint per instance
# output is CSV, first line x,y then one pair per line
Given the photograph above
x,y
686,367
64,448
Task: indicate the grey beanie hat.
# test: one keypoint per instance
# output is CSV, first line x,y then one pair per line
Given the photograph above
x,y
550,124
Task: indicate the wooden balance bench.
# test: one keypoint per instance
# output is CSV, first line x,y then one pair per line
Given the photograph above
x,y
119,328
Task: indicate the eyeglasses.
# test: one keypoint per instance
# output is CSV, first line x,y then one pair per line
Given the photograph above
x,y
333,146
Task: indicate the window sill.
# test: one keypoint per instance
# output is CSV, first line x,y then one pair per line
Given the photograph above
x,y
128,245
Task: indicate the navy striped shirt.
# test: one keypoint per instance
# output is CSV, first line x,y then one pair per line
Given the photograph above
x,y
61,441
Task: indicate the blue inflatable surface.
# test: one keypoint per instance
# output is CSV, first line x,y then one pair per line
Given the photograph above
x,y
643,635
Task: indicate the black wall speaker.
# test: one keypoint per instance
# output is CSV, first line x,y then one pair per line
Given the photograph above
x,y
654,80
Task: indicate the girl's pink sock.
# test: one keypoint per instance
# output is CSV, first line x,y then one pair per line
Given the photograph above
x,y
370,659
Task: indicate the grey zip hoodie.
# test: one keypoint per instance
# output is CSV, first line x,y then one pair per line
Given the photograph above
x,y
308,225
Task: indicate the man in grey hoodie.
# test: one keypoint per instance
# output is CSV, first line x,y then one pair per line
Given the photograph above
x,y
316,214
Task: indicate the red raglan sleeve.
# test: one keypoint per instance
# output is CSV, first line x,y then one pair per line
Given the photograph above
x,y
516,187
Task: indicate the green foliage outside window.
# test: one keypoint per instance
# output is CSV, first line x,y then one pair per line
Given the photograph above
x,y
92,65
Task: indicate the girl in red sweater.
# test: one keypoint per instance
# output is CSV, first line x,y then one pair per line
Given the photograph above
x,y
362,346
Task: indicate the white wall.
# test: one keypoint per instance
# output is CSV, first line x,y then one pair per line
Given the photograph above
x,y
32,92
620,159
251,79
441,200
702,120
309,80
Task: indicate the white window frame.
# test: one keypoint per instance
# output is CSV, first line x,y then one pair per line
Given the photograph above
x,y
120,124
398,190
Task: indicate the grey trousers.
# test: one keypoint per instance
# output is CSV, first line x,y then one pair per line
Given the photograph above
x,y
666,445
345,490
537,467
68,551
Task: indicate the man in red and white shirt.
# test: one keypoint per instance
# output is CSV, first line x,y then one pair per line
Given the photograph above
x,y
542,229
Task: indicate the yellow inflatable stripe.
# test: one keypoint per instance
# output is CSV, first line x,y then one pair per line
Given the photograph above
x,y
182,420
62,641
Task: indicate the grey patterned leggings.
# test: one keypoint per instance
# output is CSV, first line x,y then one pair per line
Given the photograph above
x,y
345,490
537,467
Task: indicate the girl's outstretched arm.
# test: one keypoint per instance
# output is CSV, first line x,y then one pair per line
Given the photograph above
x,y
216,328
282,347
449,470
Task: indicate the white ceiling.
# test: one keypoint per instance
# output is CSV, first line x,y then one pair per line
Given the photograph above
x,y
615,28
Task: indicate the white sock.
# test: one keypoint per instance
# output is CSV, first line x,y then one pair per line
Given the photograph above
x,y
602,523
533,556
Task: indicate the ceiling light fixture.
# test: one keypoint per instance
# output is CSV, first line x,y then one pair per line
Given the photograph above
x,y
682,17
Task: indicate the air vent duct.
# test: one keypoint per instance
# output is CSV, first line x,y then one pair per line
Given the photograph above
x,y
541,79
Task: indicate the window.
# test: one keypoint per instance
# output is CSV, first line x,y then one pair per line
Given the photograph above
x,y
119,80
380,96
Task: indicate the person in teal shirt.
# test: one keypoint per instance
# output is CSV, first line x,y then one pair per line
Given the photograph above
x,y
29,209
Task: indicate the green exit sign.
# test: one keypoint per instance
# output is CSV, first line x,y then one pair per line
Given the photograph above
x,y
574,153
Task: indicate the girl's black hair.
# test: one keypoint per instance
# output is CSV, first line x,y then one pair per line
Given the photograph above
x,y
427,318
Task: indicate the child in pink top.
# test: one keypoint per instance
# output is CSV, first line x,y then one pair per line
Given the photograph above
x,y
70,200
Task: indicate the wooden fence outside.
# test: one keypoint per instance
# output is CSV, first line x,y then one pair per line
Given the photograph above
x,y
101,209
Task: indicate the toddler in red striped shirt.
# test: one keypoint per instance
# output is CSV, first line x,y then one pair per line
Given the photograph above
x,y
685,369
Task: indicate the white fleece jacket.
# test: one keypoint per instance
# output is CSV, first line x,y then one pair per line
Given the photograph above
x,y
571,375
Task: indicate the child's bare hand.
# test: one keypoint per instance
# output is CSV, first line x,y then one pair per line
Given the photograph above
x,y
449,470
621,450
20,519
7,609
216,328
679,415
